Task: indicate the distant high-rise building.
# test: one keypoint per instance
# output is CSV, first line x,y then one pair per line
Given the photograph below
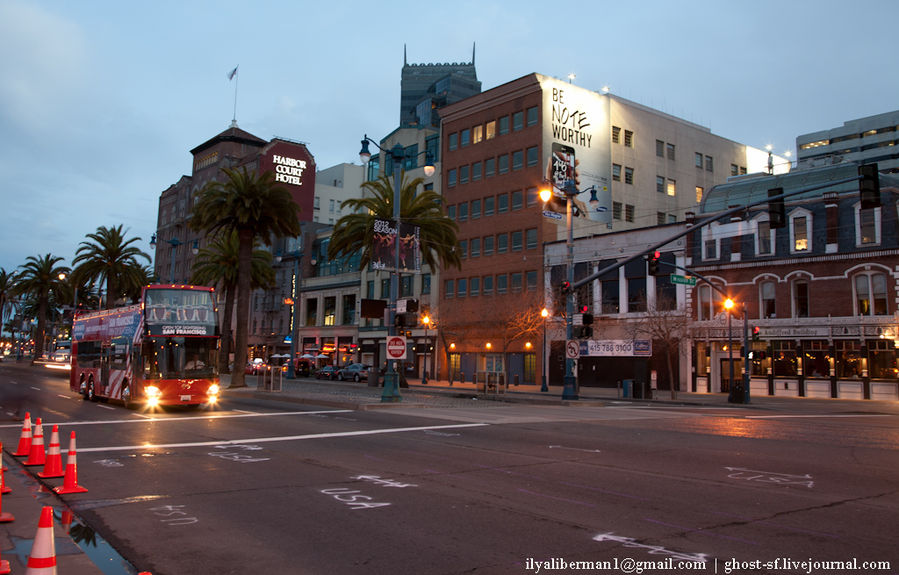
x,y
426,87
874,139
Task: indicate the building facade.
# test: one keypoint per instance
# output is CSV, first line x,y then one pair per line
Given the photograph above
x,y
633,167
874,139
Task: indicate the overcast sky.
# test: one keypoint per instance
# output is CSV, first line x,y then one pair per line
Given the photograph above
x,y
101,101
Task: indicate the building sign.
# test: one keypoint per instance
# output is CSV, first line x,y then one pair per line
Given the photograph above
x,y
294,170
577,145
616,348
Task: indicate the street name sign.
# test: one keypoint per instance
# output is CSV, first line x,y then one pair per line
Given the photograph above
x,y
683,280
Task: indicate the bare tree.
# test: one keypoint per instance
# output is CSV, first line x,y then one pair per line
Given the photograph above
x,y
666,326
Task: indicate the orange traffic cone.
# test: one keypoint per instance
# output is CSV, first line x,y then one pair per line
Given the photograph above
x,y
4,567
3,487
53,465
5,517
25,439
37,456
70,484
67,518
42,560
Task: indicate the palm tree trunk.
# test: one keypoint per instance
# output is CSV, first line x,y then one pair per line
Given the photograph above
x,y
225,351
244,262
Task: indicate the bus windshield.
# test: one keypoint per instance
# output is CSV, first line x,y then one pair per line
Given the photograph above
x,y
171,311
180,357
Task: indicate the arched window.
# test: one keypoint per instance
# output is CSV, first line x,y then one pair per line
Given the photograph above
x,y
767,301
800,298
870,290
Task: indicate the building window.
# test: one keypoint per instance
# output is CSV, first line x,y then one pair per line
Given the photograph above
x,y
517,160
406,286
474,287
490,131
489,242
767,300
504,164
616,135
699,191
867,226
697,160
504,125
636,294
660,218
453,141
463,249
462,210
477,134
462,287
882,364
610,297
475,247
616,172
502,243
628,175
475,209
670,149
734,170
800,298
451,178
533,116
425,283
531,280
660,184
517,200
489,205
870,294
660,148
463,174
672,187
710,249
348,305
517,121
489,167
451,212
763,238
629,213
502,283
465,137
709,166
848,364
517,240
533,156
799,233
476,171
530,238
616,210
487,283
628,139
502,203
705,310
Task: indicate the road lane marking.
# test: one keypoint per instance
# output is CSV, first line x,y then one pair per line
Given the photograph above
x,y
63,396
574,448
281,438
832,415
185,419
36,388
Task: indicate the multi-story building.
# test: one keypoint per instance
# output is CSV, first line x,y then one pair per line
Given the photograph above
x,y
424,88
633,166
820,293
874,139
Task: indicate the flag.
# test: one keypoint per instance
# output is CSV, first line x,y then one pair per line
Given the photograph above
x,y
232,73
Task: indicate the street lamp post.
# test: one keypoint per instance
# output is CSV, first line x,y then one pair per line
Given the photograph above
x,y
544,313
426,321
728,306
391,391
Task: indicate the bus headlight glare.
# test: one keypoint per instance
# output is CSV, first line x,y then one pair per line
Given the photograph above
x,y
152,391
213,389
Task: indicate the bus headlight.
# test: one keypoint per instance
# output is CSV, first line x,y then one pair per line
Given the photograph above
x,y
213,389
152,391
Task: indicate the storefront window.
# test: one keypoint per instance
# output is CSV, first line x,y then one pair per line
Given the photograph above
x,y
849,359
783,357
702,358
882,362
816,359
759,363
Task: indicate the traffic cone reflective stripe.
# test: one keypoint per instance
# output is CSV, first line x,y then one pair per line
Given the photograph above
x,y
53,465
25,439
70,484
42,560
37,456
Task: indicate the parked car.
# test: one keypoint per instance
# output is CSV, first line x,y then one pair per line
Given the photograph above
x,y
328,372
354,371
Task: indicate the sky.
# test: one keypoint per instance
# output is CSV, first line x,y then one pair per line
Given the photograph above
x,y
101,101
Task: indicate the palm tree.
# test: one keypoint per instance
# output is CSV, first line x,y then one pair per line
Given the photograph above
x,y
254,207
353,232
7,283
39,280
216,265
110,258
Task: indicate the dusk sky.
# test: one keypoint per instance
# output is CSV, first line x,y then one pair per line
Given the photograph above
x,y
101,101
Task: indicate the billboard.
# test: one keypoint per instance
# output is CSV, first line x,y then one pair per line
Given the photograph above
x,y
577,146
384,243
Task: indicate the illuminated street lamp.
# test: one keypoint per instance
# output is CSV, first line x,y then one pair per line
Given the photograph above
x,y
391,391
728,305
426,320
544,313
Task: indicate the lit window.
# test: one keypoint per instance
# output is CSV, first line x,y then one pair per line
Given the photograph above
x,y
477,134
491,129
672,187
871,294
699,191
799,230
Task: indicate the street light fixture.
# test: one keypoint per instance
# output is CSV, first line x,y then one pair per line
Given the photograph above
x,y
426,321
544,313
391,391
175,242
728,305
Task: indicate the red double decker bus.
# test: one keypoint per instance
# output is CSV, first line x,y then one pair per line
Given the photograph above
x,y
161,351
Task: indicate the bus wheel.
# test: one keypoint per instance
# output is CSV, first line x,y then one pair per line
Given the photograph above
x,y
126,397
91,392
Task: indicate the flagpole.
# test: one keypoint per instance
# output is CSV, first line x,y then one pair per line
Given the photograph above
x,y
234,76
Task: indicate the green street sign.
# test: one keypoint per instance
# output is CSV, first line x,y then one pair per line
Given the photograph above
x,y
685,280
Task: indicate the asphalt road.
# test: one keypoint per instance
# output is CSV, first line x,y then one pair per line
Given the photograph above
x,y
266,487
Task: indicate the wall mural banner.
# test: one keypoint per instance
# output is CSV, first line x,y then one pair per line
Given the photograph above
x,y
384,240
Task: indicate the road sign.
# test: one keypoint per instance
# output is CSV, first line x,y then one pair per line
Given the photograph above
x,y
572,349
684,280
396,347
552,215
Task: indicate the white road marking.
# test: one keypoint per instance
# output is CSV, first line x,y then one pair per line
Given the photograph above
x,y
185,419
63,396
106,407
35,388
574,448
826,416
273,439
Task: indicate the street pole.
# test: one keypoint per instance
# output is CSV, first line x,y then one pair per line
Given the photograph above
x,y
391,392
569,389
291,370
745,355
543,387
730,356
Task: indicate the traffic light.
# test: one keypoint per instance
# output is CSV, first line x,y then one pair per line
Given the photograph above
x,y
588,318
411,305
777,210
869,186
565,289
585,331
755,333
653,263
